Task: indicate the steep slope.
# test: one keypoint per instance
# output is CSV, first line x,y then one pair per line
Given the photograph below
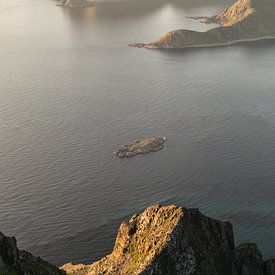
x,y
16,262
167,240
236,13
245,20
163,240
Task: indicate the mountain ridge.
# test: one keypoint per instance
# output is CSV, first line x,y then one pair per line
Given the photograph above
x,y
173,240
245,20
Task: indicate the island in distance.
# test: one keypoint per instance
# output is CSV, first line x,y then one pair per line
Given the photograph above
x,y
141,146
74,3
245,20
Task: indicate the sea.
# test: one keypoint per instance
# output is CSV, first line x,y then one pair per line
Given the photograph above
x,y
72,91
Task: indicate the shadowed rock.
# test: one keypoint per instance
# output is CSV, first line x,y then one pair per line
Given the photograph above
x,y
270,267
16,262
249,259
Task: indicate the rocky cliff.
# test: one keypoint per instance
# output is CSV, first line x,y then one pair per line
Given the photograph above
x,y
163,240
16,262
172,240
245,20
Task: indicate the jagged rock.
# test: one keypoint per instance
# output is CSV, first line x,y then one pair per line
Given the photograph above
x,y
270,267
142,146
249,260
16,262
245,20
167,240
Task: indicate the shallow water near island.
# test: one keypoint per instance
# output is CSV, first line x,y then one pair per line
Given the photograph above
x,y
72,92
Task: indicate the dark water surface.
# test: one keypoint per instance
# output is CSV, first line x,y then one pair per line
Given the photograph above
x,y
72,91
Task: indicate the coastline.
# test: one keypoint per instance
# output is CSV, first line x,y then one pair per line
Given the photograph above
x,y
148,46
244,21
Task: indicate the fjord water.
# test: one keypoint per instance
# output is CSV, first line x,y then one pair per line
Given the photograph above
x,y
72,91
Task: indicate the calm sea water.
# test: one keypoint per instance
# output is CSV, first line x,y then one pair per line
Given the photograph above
x,y
72,91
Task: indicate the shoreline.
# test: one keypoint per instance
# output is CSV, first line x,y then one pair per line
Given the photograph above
x,y
148,46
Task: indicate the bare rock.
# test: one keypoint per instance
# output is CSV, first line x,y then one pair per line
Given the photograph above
x,y
249,260
14,261
142,146
167,240
270,267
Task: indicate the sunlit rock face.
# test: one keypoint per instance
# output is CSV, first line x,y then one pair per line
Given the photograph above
x,y
168,240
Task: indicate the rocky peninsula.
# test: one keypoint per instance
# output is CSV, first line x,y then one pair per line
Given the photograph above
x,y
163,240
141,146
245,20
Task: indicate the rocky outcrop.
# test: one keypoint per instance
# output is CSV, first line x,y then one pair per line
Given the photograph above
x,y
168,240
142,146
163,240
249,260
16,262
246,20
269,267
171,240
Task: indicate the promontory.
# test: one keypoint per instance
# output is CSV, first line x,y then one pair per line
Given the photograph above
x,y
173,240
163,240
245,20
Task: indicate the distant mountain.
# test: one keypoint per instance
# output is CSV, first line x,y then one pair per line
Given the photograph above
x,y
74,3
245,20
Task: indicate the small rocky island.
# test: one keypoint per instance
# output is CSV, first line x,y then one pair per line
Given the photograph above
x,y
245,20
141,146
74,3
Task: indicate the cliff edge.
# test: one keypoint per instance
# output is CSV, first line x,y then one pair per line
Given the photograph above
x,y
166,240
163,240
245,20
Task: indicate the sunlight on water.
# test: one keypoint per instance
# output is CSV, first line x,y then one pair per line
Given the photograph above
x,y
72,92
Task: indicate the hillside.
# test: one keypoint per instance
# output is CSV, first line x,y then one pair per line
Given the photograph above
x,y
245,20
